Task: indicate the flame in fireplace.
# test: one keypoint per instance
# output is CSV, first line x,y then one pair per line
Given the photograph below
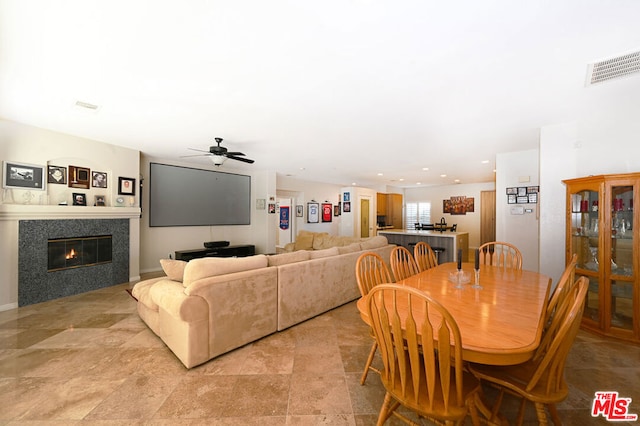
x,y
72,255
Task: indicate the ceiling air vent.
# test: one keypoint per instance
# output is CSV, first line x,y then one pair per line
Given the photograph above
x,y
613,68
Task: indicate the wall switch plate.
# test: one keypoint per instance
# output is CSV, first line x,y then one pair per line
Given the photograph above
x,y
517,210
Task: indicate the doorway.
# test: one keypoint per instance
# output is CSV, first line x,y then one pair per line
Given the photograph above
x,y
364,217
487,216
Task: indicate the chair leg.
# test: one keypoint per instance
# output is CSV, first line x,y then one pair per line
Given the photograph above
x,y
473,411
367,366
542,416
385,410
554,414
520,418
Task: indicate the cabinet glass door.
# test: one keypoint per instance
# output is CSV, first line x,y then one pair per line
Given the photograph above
x,y
585,237
622,244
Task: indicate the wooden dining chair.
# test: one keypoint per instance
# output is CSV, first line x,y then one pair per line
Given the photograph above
x,y
421,351
424,256
559,293
499,253
541,379
403,265
370,272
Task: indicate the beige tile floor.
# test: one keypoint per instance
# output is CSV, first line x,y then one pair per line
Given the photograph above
x,y
88,359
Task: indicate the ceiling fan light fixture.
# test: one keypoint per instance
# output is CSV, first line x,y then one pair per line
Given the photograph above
x,y
218,160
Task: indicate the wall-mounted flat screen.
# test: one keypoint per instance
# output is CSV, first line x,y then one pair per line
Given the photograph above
x,y
184,196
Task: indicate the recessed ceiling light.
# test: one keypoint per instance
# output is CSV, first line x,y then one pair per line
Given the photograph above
x,y
443,175
86,106
425,169
380,174
457,181
418,183
485,161
401,179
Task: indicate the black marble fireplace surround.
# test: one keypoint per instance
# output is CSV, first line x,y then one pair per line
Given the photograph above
x,y
36,285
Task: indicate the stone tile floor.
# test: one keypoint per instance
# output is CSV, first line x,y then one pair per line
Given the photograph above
x,y
89,359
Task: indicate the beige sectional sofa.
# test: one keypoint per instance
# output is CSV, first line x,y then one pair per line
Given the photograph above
x,y
210,306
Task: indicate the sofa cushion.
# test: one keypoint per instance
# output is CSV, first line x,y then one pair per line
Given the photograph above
x,y
214,266
325,241
375,242
318,254
351,248
174,269
303,241
284,258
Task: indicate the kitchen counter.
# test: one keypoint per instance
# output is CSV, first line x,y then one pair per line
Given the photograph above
x,y
450,241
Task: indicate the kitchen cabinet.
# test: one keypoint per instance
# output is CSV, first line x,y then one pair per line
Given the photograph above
x,y
390,206
381,204
602,229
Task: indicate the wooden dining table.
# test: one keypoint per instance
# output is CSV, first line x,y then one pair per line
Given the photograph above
x,y
501,323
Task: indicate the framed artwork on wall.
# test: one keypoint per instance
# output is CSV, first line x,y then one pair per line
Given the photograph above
x,y
313,212
57,175
79,177
99,179
100,201
327,212
126,186
22,176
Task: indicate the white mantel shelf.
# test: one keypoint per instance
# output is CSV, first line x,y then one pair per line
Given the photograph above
x,y
36,211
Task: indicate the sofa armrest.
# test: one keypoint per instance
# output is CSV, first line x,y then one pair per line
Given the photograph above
x,y
171,297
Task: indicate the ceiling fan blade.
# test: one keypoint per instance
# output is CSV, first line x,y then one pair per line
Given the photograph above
x,y
233,153
199,150
196,155
244,160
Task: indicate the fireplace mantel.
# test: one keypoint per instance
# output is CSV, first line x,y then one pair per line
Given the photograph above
x,y
37,211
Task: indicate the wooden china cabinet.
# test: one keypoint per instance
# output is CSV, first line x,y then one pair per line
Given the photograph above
x,y
603,229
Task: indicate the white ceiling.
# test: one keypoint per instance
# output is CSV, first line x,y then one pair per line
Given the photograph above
x,y
335,91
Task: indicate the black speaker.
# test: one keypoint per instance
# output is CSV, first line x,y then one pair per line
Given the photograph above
x,y
216,244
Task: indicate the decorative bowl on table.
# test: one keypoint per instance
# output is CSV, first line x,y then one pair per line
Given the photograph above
x,y
460,277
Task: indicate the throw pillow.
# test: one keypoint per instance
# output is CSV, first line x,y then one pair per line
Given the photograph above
x,y
303,242
174,269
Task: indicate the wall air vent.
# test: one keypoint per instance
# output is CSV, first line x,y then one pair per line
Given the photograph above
x,y
609,69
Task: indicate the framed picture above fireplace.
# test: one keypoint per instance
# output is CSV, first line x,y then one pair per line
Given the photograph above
x,y
22,176
79,199
126,186
79,177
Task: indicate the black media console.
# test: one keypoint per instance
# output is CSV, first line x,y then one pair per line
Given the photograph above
x,y
227,251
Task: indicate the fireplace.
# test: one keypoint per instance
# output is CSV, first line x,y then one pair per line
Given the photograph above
x,y
65,253
100,257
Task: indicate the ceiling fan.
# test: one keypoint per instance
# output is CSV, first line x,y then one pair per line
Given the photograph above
x,y
219,154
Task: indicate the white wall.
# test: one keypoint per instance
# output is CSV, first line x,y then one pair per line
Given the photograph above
x,y
603,144
518,169
302,192
158,242
469,222
27,144
350,224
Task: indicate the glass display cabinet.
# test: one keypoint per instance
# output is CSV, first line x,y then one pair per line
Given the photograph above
x,y
602,229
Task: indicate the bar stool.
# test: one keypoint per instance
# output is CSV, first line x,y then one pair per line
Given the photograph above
x,y
437,251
